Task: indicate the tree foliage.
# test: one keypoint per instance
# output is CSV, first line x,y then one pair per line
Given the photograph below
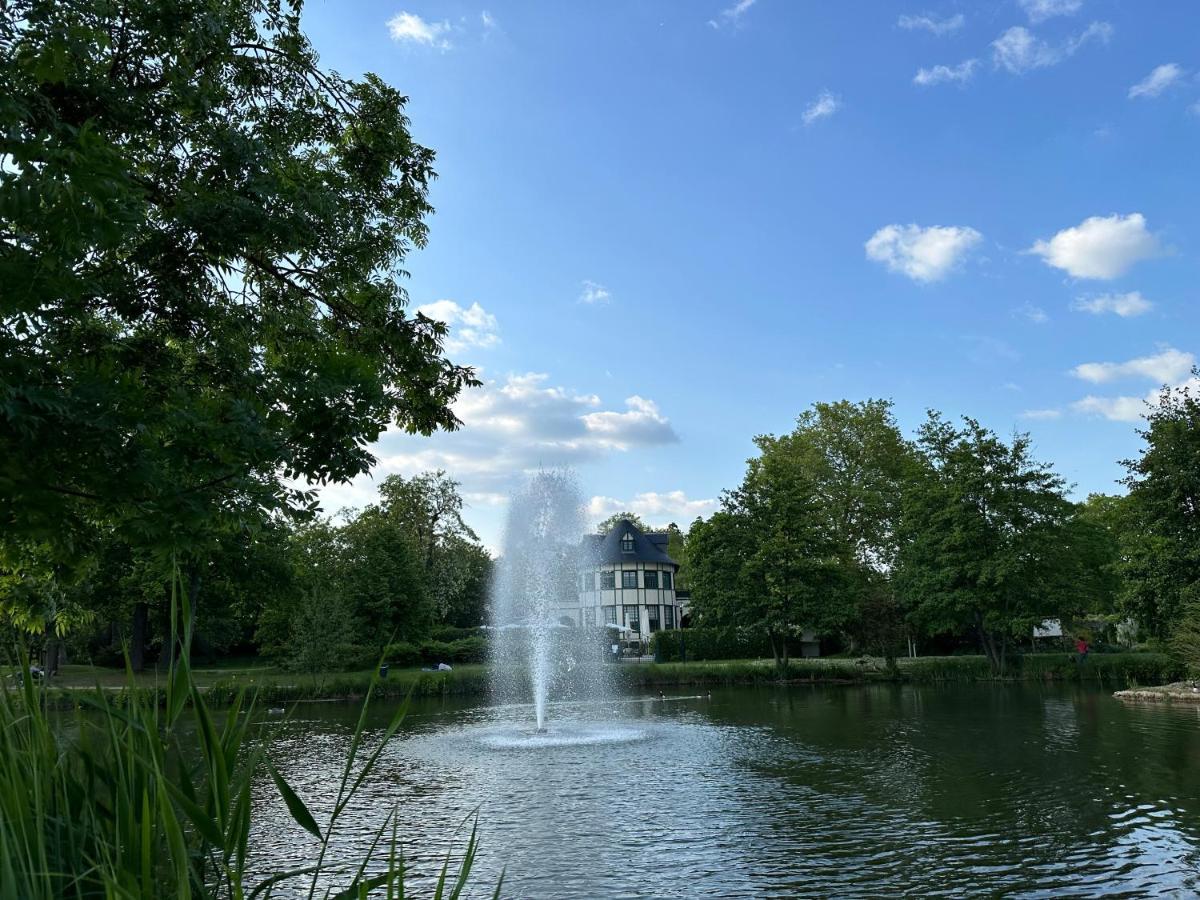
x,y
985,537
201,235
611,522
1161,546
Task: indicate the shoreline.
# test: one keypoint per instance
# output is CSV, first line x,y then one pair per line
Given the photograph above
x,y
1125,672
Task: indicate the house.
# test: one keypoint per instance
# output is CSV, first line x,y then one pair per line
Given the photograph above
x,y
627,580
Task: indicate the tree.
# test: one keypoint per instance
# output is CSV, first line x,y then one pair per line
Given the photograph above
x,y
985,541
457,569
859,463
1161,546
768,560
611,522
201,233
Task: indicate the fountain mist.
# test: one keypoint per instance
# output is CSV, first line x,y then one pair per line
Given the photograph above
x,y
536,653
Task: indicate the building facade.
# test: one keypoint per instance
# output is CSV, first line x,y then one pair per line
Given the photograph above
x,y
628,580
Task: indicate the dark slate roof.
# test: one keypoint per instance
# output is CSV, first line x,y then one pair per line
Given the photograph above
x,y
650,548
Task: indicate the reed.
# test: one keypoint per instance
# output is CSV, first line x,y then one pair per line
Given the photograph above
x,y
152,797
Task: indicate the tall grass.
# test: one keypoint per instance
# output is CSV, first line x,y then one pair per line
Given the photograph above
x,y
149,800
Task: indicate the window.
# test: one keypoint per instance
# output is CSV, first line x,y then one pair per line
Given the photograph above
x,y
629,578
610,615
632,619
652,613
667,579
608,581
669,621
627,543
586,581
651,579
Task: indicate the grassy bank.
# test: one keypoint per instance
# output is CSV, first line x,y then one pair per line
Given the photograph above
x,y
274,687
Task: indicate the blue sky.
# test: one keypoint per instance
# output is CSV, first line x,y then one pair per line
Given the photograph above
x,y
663,228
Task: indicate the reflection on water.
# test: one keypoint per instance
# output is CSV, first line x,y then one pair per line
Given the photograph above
x,y
866,791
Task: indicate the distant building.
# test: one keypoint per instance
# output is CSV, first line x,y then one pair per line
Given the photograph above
x,y
630,582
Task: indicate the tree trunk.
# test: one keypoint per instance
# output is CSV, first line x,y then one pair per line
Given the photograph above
x,y
137,645
988,642
785,652
53,652
774,648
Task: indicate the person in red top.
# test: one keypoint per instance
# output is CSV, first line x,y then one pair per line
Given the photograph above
x,y
1081,647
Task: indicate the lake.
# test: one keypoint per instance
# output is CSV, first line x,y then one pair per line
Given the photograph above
x,y
865,791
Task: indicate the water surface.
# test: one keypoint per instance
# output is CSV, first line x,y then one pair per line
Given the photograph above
x,y
863,791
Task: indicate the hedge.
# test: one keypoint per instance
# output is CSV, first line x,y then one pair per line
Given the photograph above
x,y
691,644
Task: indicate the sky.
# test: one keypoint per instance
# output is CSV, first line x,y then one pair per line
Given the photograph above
x,y
662,228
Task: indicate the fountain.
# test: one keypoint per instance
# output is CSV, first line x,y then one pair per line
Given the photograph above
x,y
539,649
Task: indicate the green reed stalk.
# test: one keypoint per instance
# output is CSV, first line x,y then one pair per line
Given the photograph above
x,y
126,803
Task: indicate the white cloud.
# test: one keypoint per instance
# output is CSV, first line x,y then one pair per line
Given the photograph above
x,y
1124,305
731,15
522,422
1157,81
1128,409
653,507
488,20
1169,367
410,27
961,73
1018,50
594,293
1100,247
641,423
824,106
1042,414
1165,367
932,24
1040,10
1118,409
1034,314
923,254
472,326
1194,109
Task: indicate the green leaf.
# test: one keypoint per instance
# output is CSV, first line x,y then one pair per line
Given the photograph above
x,y
295,805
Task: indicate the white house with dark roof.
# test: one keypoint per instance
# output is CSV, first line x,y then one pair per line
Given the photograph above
x,y
627,580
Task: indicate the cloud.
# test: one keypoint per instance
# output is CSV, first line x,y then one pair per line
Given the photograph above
x,y
1165,367
732,15
824,106
1018,50
487,20
1101,247
1128,409
517,424
411,28
1040,10
932,24
962,73
1169,367
1034,314
469,327
923,254
653,507
1124,305
593,293
641,423
1157,81
1042,414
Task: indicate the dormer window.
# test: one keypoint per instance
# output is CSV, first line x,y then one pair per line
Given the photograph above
x,y
627,543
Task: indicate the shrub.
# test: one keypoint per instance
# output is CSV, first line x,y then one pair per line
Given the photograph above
x,y
714,643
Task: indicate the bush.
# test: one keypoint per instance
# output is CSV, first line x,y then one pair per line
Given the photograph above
x,y
451,633
402,655
714,643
